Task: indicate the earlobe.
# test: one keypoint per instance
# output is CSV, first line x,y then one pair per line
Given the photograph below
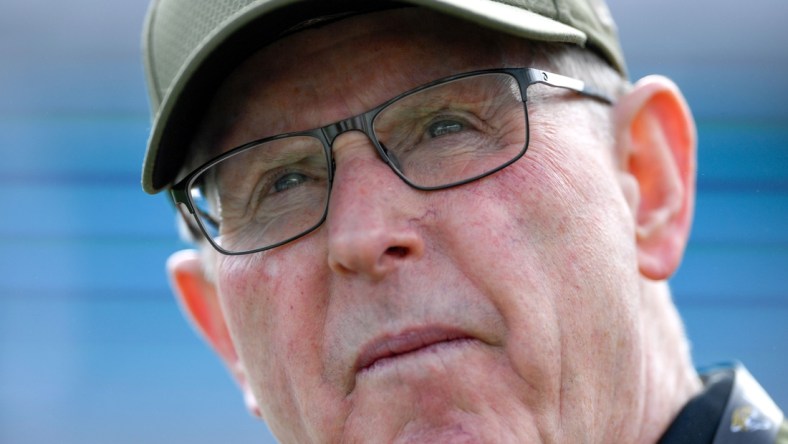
x,y
199,301
657,144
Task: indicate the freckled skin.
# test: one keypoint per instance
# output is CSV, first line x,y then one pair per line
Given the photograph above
x,y
536,263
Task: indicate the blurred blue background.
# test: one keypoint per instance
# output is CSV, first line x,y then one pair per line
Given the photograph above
x,y
92,346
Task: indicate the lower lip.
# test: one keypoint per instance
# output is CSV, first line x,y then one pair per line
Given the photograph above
x,y
442,348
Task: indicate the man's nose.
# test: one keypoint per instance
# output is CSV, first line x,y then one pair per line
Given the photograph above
x,y
373,216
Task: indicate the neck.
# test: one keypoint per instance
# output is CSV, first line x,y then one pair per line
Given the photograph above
x,y
670,377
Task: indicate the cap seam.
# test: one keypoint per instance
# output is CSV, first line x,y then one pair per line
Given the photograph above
x,y
559,15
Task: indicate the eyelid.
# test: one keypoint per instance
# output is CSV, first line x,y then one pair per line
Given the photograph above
x,y
448,128
462,116
266,183
421,126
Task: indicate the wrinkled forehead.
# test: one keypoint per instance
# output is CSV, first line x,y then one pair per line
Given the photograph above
x,y
330,71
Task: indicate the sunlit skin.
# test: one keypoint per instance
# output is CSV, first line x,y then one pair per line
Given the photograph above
x,y
510,309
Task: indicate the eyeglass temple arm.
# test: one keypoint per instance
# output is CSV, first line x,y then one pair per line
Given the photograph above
x,y
559,81
181,203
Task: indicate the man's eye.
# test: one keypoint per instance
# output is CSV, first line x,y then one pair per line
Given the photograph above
x,y
444,127
288,181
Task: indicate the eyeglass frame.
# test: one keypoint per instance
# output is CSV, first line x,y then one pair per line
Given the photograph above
x,y
363,122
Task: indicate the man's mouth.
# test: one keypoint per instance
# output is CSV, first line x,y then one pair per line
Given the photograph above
x,y
390,347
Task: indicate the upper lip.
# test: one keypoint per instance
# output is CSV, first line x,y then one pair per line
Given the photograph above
x,y
406,341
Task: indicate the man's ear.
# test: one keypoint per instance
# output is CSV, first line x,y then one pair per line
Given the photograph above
x,y
656,139
198,299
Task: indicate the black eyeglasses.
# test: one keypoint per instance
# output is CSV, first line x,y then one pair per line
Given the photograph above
x,y
445,133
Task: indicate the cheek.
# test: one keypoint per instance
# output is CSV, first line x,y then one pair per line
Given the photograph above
x,y
247,286
552,244
582,221
586,242
265,293
274,314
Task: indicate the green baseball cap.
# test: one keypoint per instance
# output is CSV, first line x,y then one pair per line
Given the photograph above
x,y
190,46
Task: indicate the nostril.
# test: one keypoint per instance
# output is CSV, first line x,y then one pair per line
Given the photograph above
x,y
397,251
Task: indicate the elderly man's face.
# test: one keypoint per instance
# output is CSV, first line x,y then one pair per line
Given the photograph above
x,y
504,310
